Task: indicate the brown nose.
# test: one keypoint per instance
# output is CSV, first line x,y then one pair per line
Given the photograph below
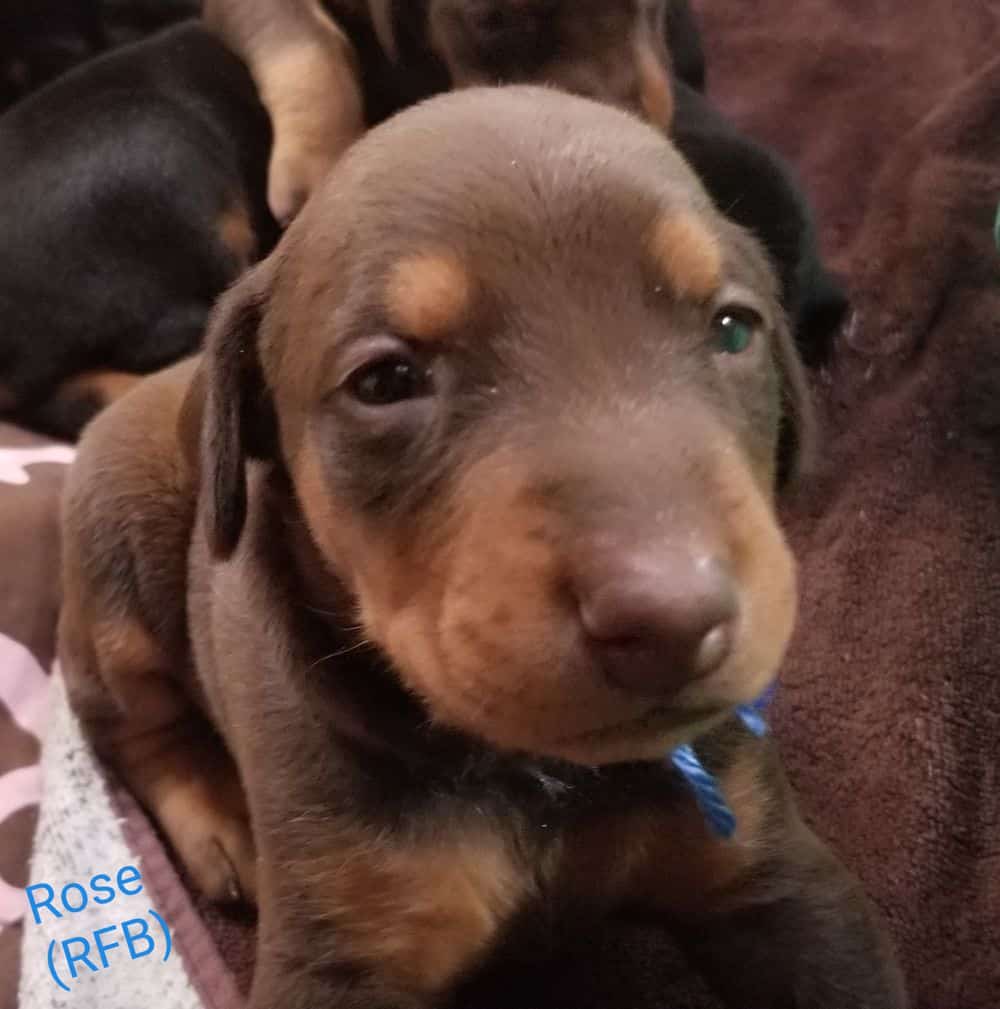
x,y
656,619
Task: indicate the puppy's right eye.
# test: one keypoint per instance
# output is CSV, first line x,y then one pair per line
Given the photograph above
x,y
390,379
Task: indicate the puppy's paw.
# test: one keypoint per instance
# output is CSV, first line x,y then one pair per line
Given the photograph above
x,y
197,799
295,170
220,857
313,96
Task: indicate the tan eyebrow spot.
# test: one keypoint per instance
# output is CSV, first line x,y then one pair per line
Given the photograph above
x,y
686,255
428,294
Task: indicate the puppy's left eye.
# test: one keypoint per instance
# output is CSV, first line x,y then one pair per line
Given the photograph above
x,y
390,379
734,330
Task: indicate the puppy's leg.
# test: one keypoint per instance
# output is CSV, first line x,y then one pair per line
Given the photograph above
x,y
123,646
306,71
771,917
143,725
183,774
358,918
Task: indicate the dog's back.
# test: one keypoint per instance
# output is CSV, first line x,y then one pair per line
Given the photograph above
x,y
132,190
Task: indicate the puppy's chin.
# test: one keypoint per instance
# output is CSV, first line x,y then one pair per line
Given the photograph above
x,y
646,737
650,739
554,711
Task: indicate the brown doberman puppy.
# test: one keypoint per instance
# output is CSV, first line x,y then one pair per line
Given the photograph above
x,y
326,69
481,525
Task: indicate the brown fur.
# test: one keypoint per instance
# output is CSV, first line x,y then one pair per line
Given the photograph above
x,y
131,674
381,597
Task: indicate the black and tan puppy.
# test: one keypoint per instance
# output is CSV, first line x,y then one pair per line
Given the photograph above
x,y
325,70
132,192
482,526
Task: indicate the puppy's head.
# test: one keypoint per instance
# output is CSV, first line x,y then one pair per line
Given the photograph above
x,y
533,394
611,50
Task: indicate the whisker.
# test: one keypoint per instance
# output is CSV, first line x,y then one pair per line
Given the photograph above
x,y
732,206
363,643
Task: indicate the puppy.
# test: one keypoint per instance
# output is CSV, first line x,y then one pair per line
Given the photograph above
x,y
133,192
324,71
480,527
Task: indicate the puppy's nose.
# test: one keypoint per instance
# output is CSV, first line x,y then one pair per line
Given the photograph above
x,y
656,620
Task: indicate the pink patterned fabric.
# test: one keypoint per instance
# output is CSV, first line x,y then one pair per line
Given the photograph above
x,y
31,475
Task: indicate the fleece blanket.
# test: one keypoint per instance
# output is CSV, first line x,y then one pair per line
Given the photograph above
x,y
889,713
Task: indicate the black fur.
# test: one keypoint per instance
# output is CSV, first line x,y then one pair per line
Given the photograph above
x,y
113,180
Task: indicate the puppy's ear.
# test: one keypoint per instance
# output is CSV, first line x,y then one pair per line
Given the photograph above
x,y
684,42
820,311
239,421
797,437
384,23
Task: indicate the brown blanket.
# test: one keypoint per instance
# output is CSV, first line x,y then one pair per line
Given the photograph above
x,y
890,713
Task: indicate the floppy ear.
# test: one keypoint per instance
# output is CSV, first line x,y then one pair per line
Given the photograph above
x,y
239,421
820,311
384,23
797,437
684,42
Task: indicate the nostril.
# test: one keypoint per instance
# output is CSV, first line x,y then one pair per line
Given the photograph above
x,y
656,623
